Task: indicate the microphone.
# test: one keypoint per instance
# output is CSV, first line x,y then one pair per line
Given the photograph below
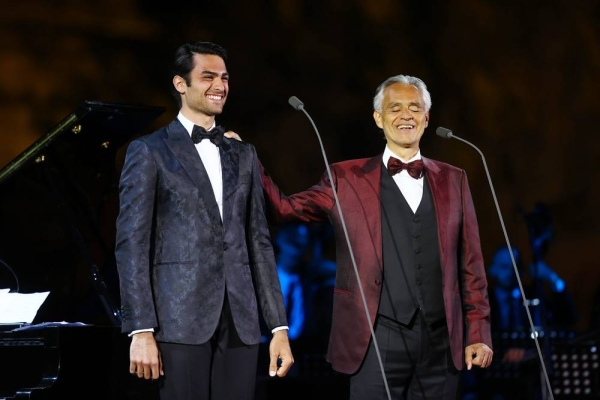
x,y
443,132
298,105
447,134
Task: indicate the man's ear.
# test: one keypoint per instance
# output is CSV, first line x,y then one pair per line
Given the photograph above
x,y
179,84
377,118
426,119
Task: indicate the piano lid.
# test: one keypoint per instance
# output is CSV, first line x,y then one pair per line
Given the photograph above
x,y
89,135
58,205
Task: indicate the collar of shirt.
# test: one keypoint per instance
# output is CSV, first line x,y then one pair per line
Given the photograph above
x,y
412,189
189,125
211,159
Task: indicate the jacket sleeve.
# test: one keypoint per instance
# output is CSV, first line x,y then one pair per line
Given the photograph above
x,y
137,190
262,257
312,205
476,305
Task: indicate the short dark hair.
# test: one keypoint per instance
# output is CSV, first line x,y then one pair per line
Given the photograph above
x,y
183,62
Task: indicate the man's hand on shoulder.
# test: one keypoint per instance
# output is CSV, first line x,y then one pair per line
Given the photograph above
x,y
478,354
232,135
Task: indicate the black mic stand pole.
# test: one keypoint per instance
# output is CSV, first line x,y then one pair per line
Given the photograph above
x,y
298,105
538,300
447,134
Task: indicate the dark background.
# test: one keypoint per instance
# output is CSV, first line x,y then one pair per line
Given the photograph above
x,y
518,79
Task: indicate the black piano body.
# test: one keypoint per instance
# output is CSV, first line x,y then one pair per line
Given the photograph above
x,y
58,204
69,362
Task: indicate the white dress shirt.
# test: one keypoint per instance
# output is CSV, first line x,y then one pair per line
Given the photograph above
x,y
411,188
211,158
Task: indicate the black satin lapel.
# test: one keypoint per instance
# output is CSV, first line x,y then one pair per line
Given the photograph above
x,y
230,169
180,143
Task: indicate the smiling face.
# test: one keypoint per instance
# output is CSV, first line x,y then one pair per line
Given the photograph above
x,y
403,119
207,91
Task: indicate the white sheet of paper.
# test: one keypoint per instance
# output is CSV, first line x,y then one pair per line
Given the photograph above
x,y
20,307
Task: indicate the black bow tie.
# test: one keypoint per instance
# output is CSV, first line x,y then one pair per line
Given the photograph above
x,y
414,168
215,135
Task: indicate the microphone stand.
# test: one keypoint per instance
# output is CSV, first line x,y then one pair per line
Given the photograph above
x,y
536,242
447,134
298,105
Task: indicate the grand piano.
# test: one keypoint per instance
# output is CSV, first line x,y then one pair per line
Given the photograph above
x,y
58,205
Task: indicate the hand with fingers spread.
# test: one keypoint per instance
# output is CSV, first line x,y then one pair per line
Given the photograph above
x,y
144,356
279,349
478,354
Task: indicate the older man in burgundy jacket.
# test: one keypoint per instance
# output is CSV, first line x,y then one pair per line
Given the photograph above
x,y
413,232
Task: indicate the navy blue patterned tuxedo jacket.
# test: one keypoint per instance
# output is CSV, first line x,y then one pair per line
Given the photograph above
x,y
175,256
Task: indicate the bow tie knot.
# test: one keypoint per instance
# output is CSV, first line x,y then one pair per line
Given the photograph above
x,y
215,135
414,168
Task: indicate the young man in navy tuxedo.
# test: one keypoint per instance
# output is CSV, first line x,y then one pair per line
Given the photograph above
x,y
193,247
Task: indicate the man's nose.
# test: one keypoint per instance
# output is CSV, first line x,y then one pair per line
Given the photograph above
x,y
406,114
218,84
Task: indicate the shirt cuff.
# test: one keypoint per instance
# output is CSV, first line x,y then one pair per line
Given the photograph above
x,y
279,328
142,330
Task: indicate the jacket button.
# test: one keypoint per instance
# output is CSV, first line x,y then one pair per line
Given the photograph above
x,y
377,282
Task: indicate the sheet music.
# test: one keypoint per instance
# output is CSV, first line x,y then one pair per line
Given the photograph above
x,y
20,307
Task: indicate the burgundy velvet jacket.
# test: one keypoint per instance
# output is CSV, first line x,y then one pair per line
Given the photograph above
x,y
358,189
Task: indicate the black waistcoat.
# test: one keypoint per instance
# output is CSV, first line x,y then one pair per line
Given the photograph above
x,y
411,257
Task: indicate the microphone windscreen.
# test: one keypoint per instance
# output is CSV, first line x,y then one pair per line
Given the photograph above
x,y
296,103
443,132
